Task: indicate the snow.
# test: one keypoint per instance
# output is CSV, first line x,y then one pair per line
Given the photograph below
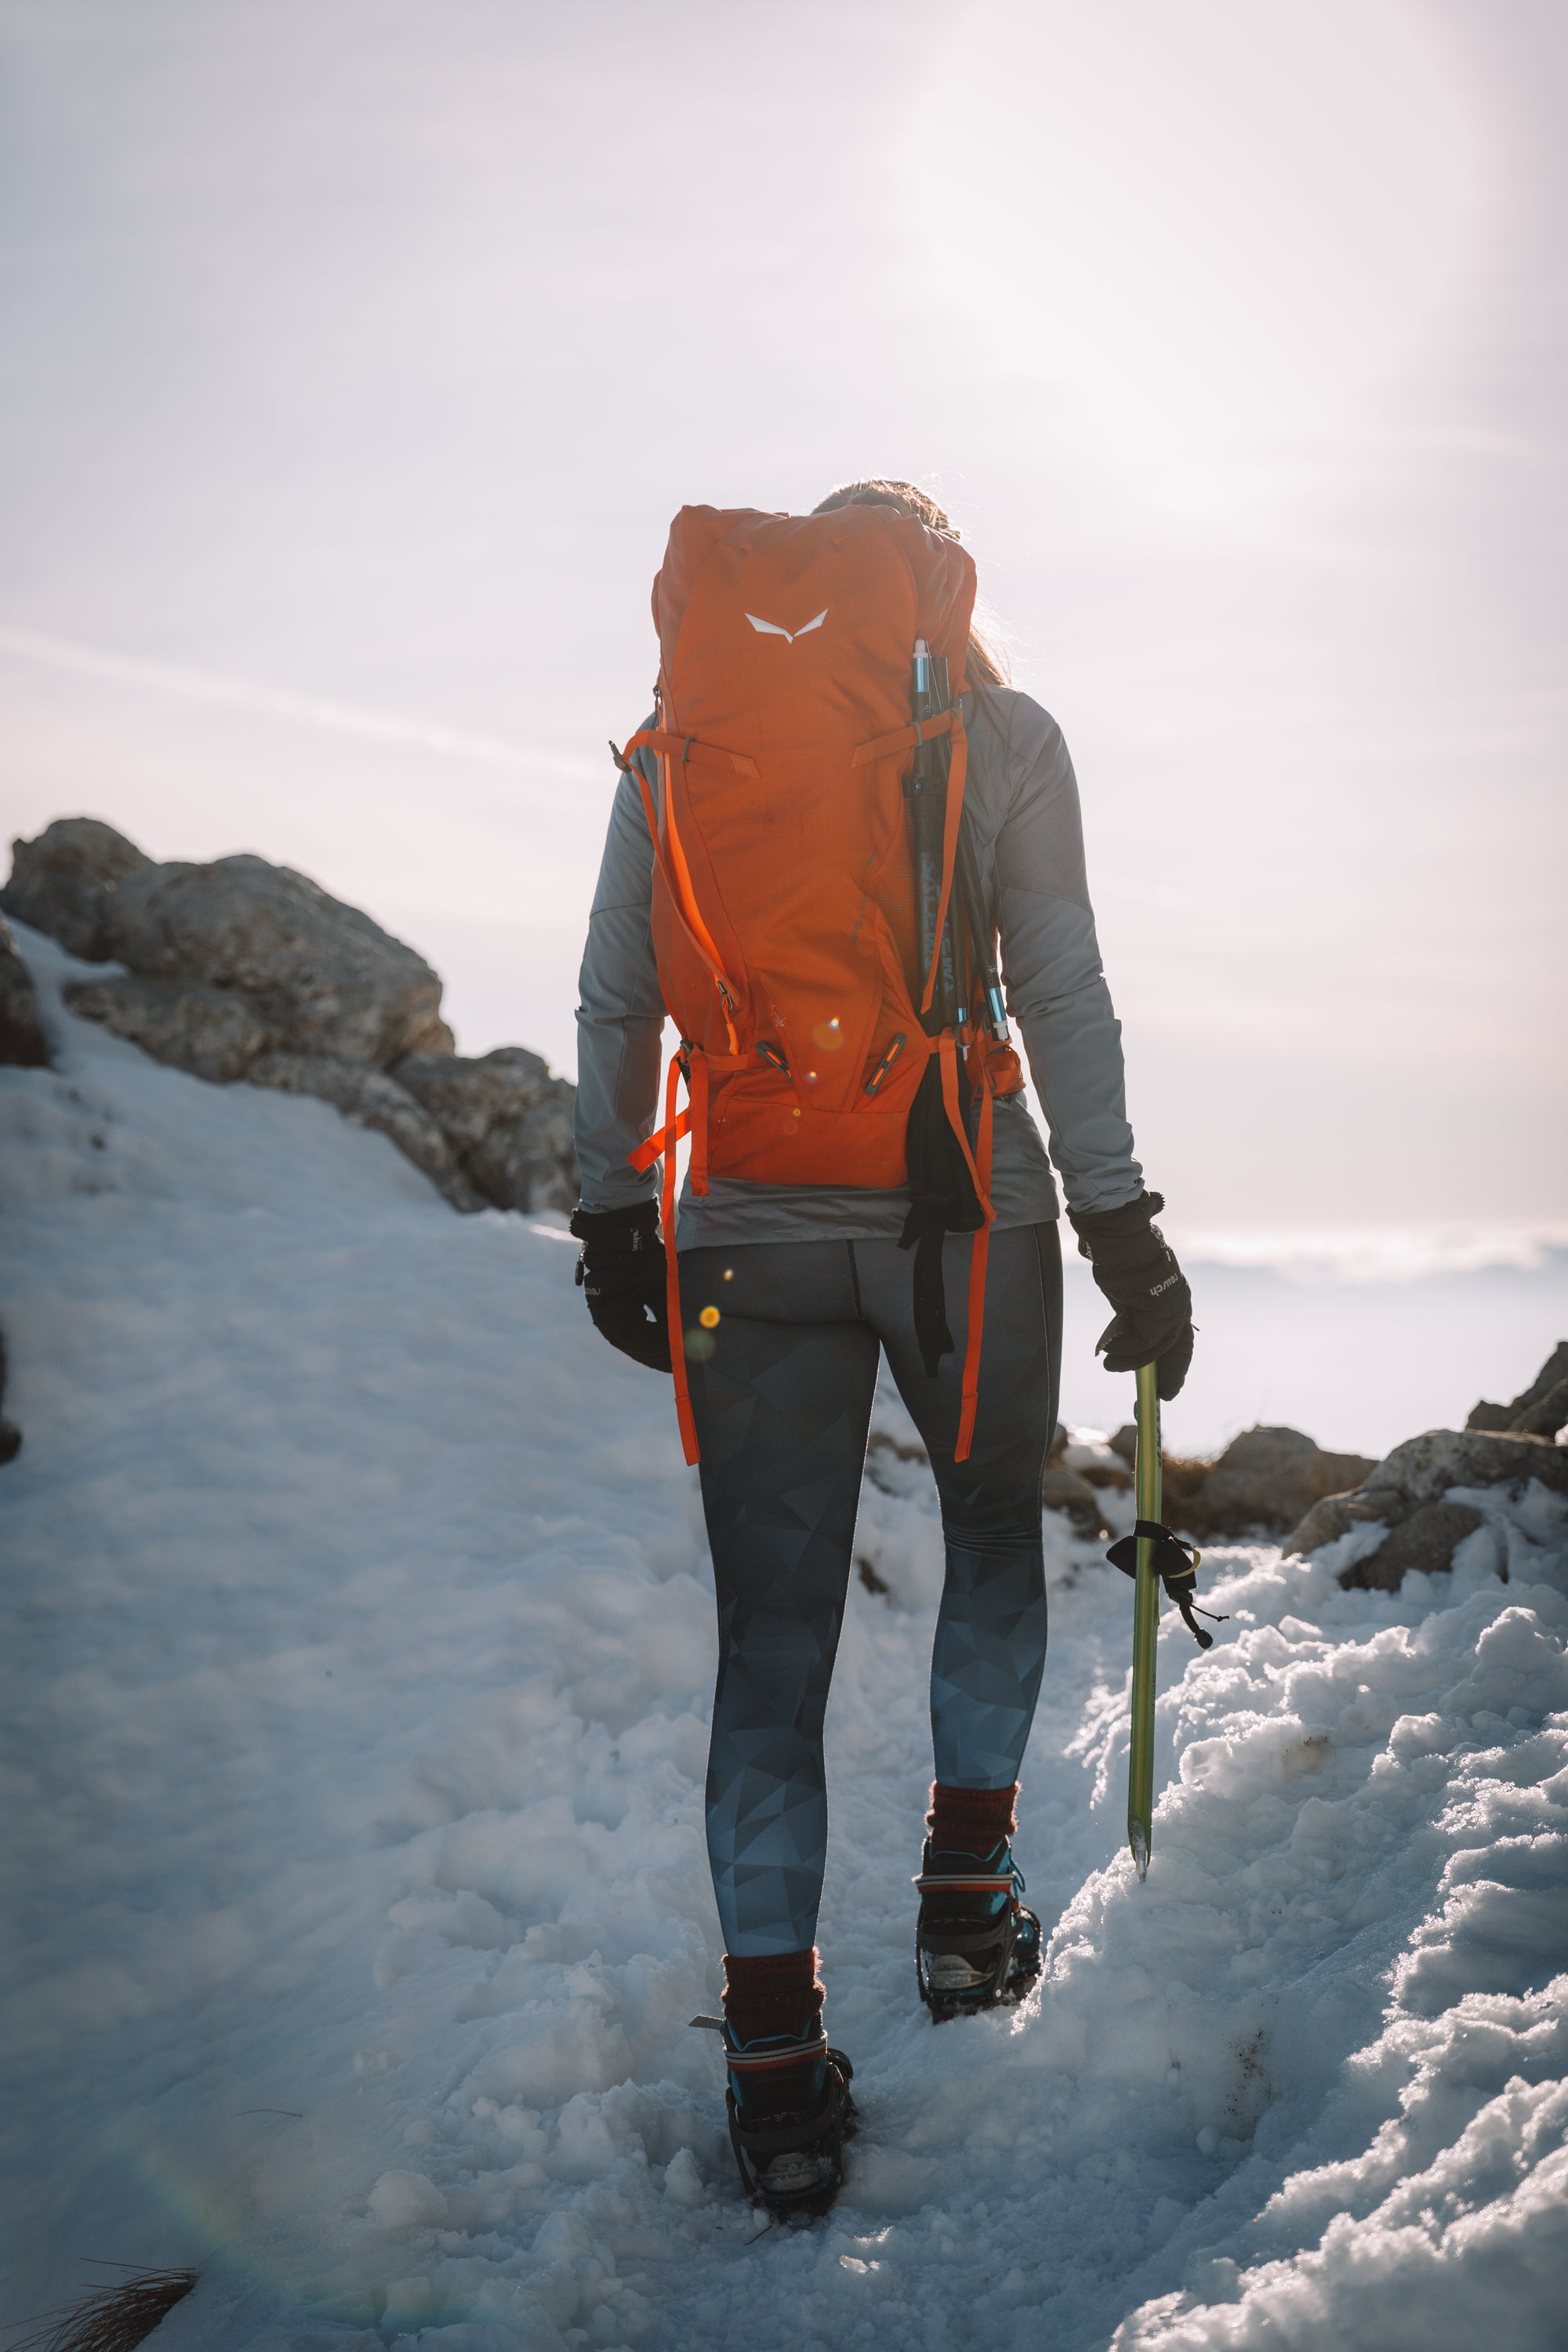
x,y
355,1688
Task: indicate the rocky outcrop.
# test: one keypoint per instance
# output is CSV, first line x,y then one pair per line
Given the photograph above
x,y
65,882
1427,1539
370,1099
1268,1478
509,1121
1539,1411
1407,1493
1264,1480
210,1031
22,1039
242,970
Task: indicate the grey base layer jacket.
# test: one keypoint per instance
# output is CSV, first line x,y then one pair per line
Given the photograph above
x,y
1023,807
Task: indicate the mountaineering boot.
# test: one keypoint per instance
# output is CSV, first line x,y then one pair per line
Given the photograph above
x,y
788,2095
790,2157
975,1943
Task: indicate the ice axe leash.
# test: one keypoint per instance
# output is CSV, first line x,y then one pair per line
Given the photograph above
x,y
1153,1556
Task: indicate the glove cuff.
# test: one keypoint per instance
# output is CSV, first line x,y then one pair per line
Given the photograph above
x,y
1115,1224
603,1224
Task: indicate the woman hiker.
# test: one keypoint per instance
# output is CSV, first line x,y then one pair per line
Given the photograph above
x,y
777,1394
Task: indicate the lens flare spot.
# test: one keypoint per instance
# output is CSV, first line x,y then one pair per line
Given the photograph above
x,y
708,1318
700,1344
828,1035
729,1274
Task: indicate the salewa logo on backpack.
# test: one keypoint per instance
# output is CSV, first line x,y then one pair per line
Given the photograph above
x,y
772,628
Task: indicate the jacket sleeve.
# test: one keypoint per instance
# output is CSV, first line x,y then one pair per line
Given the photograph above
x,y
620,1015
1050,964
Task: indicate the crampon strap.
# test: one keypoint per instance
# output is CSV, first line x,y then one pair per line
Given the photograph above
x,y
1175,1563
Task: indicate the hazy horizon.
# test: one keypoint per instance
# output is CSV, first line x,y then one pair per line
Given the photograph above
x,y
357,356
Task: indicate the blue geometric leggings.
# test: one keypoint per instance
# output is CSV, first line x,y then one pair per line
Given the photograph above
x,y
782,1408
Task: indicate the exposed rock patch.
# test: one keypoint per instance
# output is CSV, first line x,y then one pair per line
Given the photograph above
x,y
242,970
507,1119
63,883
370,1099
1406,1493
1427,1539
213,1033
22,1039
1539,1411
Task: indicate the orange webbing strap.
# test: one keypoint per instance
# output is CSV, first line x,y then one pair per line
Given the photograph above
x,y
672,1276
690,922
643,1158
979,1254
913,732
950,1103
957,771
697,1088
693,1120
682,896
687,747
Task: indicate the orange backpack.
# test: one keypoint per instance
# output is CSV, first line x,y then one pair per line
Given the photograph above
x,y
783,900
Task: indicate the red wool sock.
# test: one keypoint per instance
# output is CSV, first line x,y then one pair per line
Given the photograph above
x,y
970,1821
774,1995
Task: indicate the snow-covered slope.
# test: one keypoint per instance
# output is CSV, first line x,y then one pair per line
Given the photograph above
x,y
357,1662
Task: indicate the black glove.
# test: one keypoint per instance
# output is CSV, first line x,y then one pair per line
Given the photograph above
x,y
1139,1274
622,1275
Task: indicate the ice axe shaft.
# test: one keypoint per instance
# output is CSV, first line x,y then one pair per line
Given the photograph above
x,y
1145,1626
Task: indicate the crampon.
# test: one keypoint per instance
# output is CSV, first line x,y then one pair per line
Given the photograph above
x,y
976,1944
790,2157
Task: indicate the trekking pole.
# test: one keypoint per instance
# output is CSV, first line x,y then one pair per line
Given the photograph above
x,y
925,788
1146,1625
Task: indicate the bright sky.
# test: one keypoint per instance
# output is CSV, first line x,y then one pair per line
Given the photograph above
x,y
356,354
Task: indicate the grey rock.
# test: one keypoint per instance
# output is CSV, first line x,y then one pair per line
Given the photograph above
x,y
1427,1540
370,1099
211,1031
1522,1414
1270,1478
527,1163
1553,1372
241,968
1427,1466
22,1039
1545,1417
1410,1483
466,1096
63,883
508,1119
1336,1515
322,977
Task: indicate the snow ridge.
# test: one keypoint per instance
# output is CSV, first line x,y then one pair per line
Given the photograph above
x,y
356,1727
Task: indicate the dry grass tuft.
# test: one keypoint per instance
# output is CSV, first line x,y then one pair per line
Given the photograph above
x,y
114,2319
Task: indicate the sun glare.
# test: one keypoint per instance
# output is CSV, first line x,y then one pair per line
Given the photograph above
x,y
1209,229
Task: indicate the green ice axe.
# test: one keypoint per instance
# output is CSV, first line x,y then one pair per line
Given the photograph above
x,y
1146,1625
1153,1556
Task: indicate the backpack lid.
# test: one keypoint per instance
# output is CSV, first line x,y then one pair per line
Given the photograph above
x,y
760,615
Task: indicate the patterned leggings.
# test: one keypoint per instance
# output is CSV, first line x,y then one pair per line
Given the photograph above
x,y
782,1408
